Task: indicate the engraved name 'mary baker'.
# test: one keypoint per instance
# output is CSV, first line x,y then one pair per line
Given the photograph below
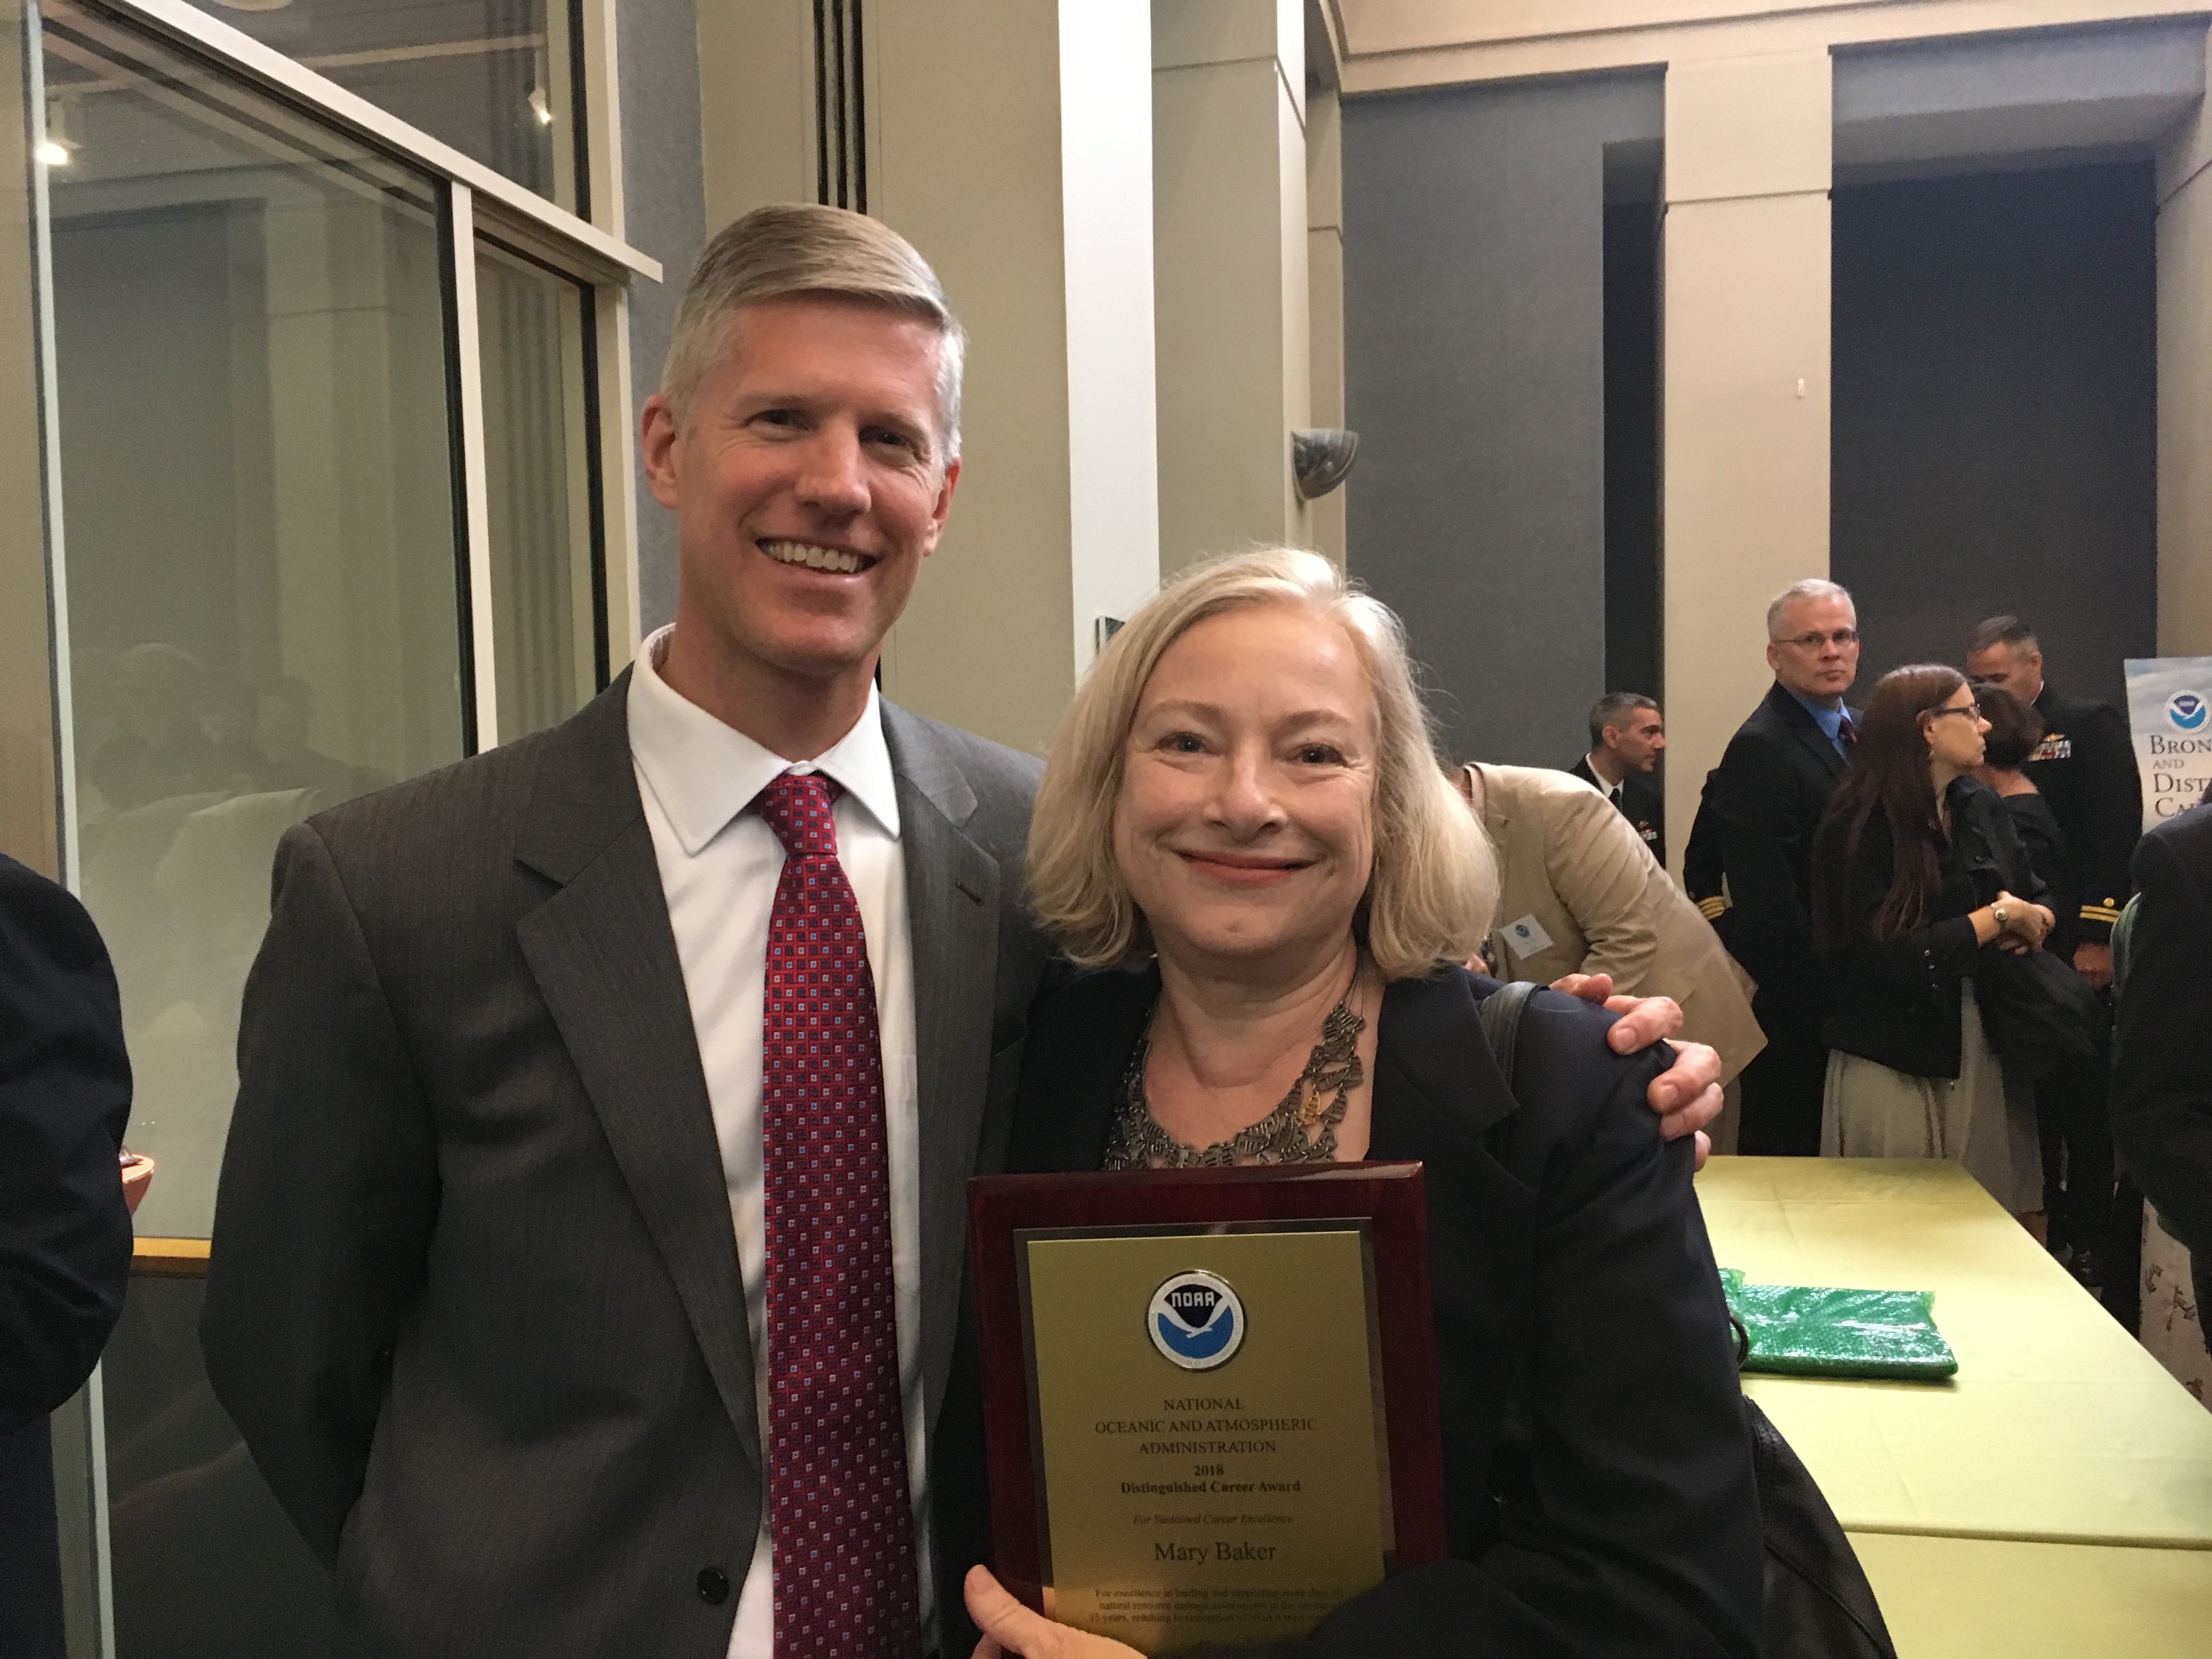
x,y
1224,1550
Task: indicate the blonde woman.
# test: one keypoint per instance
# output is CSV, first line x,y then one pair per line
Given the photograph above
x,y
1244,832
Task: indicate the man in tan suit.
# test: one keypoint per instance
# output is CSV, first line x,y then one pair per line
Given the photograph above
x,y
1583,895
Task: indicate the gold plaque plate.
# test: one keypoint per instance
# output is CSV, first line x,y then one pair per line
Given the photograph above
x,y
1207,1427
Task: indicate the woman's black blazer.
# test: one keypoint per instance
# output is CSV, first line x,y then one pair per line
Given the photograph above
x,y
1897,999
1574,1289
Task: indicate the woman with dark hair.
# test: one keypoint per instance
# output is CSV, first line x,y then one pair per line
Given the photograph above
x,y
2015,728
1917,870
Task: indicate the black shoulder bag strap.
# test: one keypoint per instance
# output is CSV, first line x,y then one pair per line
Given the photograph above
x,y
1500,1014
1818,1602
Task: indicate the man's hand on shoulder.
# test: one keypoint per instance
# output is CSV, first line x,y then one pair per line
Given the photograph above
x,y
1687,1093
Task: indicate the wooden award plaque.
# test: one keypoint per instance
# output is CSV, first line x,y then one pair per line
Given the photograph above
x,y
1210,1395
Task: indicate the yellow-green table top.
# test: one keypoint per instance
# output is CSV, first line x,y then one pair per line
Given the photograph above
x,y
2058,1428
1985,1598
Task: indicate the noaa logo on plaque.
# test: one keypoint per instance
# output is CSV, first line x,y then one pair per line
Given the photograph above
x,y
1195,1321
2186,710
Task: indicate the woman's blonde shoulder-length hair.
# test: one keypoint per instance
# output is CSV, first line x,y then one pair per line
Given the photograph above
x,y
1434,881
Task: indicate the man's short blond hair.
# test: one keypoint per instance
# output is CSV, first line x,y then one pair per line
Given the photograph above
x,y
798,247
1434,884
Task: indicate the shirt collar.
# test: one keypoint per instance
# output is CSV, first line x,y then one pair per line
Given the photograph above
x,y
1830,720
704,773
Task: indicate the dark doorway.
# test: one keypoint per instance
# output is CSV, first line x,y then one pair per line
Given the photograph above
x,y
1994,444
1632,446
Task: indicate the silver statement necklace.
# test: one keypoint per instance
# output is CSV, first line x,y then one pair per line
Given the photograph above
x,y
1302,1129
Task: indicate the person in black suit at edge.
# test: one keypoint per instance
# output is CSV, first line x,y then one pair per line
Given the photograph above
x,y
1748,863
2161,1067
2085,767
1627,736
64,1229
1242,833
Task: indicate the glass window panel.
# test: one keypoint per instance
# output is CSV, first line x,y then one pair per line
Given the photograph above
x,y
538,418
29,766
256,528
495,79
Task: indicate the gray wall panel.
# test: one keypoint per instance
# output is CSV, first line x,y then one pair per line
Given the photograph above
x,y
664,210
1474,365
1995,420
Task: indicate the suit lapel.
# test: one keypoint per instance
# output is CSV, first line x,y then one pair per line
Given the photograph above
x,y
1437,1095
604,959
952,895
1801,721
1437,1090
1065,1124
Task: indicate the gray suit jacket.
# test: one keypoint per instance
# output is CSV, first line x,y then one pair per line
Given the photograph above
x,y
474,1299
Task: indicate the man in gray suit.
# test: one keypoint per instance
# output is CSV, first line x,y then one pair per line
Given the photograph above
x,y
502,1294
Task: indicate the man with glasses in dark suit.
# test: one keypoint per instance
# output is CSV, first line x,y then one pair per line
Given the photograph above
x,y
1748,863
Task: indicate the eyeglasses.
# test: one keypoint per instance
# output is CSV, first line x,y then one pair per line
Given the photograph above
x,y
1938,713
1813,641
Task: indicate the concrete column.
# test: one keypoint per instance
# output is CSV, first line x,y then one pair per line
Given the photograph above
x,y
1230,228
1011,144
1325,297
2184,390
1744,412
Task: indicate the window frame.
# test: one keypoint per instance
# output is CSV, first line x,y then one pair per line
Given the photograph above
x,y
473,202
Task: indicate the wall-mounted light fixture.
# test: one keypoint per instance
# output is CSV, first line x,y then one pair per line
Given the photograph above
x,y
1321,456
540,105
57,149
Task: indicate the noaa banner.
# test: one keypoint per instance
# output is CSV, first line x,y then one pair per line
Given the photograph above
x,y
2168,698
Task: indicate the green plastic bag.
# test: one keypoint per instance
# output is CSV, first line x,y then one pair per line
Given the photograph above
x,y
1814,1330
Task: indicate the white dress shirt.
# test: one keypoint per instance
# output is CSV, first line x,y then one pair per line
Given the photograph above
x,y
719,867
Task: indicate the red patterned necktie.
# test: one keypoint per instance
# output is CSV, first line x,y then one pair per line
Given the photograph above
x,y
1848,733
838,1508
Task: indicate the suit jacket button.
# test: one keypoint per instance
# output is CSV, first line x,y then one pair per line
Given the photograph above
x,y
714,1586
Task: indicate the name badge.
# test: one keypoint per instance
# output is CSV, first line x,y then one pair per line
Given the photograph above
x,y
1527,936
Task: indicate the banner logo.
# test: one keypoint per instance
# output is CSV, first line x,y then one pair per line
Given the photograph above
x,y
1195,1321
2186,710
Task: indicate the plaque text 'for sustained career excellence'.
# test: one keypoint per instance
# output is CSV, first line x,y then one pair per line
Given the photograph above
x,y
1238,1502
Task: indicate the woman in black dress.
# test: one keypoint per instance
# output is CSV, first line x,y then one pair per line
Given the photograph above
x,y
2071,1137
2014,729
